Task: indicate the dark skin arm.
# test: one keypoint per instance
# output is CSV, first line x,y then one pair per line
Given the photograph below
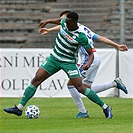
x,y
90,59
85,66
52,21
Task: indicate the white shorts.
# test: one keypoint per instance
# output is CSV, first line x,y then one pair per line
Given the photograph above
x,y
89,75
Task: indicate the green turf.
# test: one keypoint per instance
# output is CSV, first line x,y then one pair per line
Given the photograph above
x,y
58,116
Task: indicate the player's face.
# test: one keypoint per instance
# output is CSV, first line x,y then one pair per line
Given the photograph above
x,y
71,24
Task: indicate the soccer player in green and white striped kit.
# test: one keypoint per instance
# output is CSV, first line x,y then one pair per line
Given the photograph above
x,y
89,74
64,56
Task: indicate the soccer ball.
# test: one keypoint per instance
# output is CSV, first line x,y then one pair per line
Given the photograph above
x,y
32,111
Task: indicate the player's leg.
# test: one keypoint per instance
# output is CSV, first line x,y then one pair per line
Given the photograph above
x,y
117,83
105,86
45,70
40,76
76,96
76,80
89,75
92,96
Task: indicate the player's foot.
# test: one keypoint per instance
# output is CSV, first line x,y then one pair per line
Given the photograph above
x,y
108,112
13,110
82,115
120,85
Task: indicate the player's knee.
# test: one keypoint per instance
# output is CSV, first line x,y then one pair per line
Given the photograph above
x,y
80,88
36,81
69,83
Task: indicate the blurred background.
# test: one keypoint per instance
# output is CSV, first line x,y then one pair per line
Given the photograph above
x,y
20,41
19,20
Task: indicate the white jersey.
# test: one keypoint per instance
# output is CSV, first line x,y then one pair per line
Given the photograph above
x,y
88,76
82,54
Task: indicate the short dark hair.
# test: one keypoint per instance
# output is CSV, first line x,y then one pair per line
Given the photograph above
x,y
64,12
73,15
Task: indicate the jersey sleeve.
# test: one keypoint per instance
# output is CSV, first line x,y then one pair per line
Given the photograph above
x,y
90,34
95,37
84,42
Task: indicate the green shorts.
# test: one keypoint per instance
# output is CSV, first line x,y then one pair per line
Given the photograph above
x,y
53,65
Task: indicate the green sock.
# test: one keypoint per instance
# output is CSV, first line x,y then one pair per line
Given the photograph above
x,y
93,97
29,92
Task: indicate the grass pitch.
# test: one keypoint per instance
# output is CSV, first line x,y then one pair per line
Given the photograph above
x,y
58,116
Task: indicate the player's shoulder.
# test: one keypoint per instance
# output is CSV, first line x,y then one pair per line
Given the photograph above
x,y
83,38
63,20
82,34
83,28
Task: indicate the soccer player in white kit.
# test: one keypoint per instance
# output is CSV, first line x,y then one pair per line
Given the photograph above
x,y
88,75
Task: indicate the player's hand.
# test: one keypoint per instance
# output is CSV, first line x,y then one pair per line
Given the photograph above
x,y
43,31
85,67
123,48
42,24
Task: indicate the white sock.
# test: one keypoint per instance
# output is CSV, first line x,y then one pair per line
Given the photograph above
x,y
20,106
104,106
103,87
77,98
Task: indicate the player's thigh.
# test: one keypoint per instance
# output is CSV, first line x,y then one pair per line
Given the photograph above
x,y
73,73
50,65
89,75
77,82
40,76
69,82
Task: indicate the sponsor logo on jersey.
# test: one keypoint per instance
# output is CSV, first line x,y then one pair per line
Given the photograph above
x,y
69,38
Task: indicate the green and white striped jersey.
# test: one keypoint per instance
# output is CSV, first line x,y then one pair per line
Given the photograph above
x,y
68,43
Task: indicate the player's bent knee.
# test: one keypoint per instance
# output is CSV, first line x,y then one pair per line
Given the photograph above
x,y
69,83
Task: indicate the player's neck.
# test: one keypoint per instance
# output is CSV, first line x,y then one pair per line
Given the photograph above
x,y
74,28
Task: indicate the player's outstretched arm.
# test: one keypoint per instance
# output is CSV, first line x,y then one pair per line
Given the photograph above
x,y
44,31
52,21
121,47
